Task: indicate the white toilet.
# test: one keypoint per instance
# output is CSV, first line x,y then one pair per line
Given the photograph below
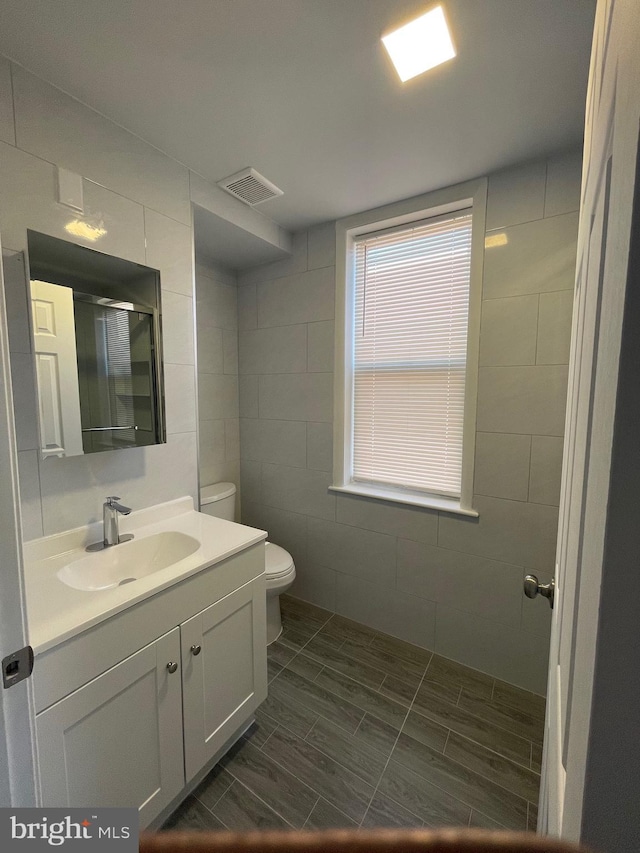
x,y
219,500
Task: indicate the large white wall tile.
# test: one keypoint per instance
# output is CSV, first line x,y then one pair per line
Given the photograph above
x,y
30,503
212,444
28,200
502,465
523,534
297,397
210,350
522,399
509,654
170,249
61,130
320,358
322,246
251,480
177,328
217,396
7,128
74,489
409,522
538,257
564,176
279,442
302,298
508,331
232,438
516,195
180,397
298,490
217,304
467,582
247,307
248,396
316,584
320,446
275,350
353,551
386,609
546,469
287,529
554,327
230,351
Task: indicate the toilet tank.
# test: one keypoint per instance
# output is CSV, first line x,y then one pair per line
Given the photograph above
x,y
219,500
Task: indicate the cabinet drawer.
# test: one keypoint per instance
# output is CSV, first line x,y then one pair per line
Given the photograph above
x,y
65,668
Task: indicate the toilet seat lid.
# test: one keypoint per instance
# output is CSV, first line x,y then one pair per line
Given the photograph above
x,y
277,560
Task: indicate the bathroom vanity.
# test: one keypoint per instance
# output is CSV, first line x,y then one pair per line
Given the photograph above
x,y
150,656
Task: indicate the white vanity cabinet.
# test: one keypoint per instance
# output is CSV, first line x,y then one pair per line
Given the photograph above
x,y
141,730
118,740
222,673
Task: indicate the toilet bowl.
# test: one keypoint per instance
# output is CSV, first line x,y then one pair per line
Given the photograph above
x,y
219,500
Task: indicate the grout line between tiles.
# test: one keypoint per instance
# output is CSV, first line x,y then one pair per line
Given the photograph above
x,y
264,802
384,769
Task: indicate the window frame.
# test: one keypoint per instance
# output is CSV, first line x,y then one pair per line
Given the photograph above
x,y
473,195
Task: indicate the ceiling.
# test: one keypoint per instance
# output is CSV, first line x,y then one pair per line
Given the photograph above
x,y
303,91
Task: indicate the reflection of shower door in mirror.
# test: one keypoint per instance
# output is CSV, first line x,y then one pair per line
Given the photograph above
x,y
115,342
56,369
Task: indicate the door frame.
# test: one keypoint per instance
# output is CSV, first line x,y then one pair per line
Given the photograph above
x,y
18,782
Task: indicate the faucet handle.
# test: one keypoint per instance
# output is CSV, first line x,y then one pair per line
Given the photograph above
x,y
111,499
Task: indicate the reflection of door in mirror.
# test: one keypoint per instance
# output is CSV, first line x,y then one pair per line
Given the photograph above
x,y
115,373
56,369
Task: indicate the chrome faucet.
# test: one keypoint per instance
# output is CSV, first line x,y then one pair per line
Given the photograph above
x,y
110,511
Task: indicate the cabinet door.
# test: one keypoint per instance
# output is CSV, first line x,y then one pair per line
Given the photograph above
x,y
117,741
226,680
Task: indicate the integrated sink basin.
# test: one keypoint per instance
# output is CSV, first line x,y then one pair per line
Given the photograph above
x,y
127,562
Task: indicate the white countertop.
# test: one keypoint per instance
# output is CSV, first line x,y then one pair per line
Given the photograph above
x,y
57,612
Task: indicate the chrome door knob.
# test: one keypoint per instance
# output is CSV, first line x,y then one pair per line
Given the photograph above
x,y
533,587
196,649
172,666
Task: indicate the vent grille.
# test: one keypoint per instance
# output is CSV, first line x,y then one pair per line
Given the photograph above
x,y
250,186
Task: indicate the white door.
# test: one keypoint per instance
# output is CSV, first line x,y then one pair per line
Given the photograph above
x,y
609,178
117,741
17,761
54,340
224,671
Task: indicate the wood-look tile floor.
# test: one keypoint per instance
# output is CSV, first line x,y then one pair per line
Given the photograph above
x,y
361,729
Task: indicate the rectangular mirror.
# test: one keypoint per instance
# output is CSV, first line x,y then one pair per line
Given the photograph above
x,y
96,332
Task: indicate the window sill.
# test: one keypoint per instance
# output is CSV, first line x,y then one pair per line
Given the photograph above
x,y
427,501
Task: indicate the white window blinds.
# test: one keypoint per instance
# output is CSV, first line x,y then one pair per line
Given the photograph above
x,y
410,345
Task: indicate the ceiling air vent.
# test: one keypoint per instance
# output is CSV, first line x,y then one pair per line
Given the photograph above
x,y
249,186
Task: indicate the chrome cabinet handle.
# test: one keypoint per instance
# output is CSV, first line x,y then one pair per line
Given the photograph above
x,y
533,587
172,666
196,649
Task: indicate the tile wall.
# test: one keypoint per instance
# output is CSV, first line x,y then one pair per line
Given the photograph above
x,y
141,198
217,331
444,582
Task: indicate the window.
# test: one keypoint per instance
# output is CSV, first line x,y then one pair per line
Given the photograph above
x,y
405,393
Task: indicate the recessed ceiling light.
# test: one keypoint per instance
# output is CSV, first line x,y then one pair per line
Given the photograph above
x,y
420,45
